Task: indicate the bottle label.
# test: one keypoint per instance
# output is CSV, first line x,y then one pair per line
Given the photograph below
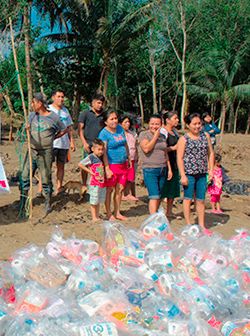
x,y
99,329
228,328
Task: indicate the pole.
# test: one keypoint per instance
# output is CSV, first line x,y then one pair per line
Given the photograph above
x,y
25,114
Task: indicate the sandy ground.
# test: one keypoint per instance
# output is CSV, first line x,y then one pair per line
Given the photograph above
x,y
73,216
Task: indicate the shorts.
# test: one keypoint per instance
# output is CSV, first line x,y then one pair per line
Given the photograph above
x,y
97,195
171,188
119,176
197,185
154,179
60,155
131,172
215,198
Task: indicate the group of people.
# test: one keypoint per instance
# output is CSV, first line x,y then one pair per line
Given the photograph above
x,y
111,154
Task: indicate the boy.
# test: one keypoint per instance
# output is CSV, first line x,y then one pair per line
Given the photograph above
x,y
94,166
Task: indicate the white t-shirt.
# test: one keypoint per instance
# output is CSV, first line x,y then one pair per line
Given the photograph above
x,y
164,132
62,142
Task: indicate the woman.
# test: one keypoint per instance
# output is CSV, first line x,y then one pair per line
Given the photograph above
x,y
194,153
116,161
171,188
154,160
129,192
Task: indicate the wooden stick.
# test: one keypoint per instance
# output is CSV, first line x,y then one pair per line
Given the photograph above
x,y
25,115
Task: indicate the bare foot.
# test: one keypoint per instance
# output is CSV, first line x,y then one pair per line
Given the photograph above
x,y
133,198
111,218
121,217
97,219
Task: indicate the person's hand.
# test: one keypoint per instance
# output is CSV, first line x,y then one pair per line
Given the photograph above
x,y
157,133
129,163
72,146
170,174
210,175
109,172
86,147
184,180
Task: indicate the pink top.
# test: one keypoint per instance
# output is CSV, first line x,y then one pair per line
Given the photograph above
x,y
216,187
131,141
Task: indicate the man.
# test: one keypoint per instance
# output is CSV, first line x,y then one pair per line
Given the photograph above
x,y
61,145
44,126
90,123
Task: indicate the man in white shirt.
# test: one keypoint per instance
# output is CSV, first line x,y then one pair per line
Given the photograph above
x,y
61,145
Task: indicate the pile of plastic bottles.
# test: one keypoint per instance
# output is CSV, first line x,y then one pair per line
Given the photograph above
x,y
148,282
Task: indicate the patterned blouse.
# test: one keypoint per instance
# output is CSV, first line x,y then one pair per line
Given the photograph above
x,y
195,155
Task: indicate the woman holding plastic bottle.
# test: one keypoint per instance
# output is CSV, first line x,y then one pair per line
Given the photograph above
x,y
171,188
195,158
154,159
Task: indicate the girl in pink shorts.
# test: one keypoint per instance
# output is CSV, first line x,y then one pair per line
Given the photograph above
x,y
117,162
215,188
129,192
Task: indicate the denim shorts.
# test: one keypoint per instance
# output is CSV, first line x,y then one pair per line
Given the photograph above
x,y
154,179
197,185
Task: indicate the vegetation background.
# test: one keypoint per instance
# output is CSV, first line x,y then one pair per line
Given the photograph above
x,y
145,56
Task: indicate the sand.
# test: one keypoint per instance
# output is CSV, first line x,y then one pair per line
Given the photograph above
x,y
73,216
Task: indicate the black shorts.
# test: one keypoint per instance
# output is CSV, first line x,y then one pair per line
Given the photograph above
x,y
60,155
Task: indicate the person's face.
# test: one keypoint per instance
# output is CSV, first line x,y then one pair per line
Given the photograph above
x,y
173,121
112,121
126,124
58,99
195,125
98,150
97,105
154,124
36,105
208,119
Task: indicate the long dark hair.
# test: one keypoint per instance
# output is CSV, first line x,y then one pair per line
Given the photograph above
x,y
168,115
188,118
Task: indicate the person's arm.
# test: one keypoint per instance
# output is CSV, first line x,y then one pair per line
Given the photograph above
x,y
84,165
172,148
108,172
210,158
81,135
170,173
61,133
71,139
180,162
216,129
148,145
128,155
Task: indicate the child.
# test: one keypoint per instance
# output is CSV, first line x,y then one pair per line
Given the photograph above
x,y
94,166
215,189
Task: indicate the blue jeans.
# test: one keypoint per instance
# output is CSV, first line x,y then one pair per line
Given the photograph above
x,y
197,185
154,179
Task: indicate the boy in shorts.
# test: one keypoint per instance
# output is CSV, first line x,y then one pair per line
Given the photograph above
x,y
93,165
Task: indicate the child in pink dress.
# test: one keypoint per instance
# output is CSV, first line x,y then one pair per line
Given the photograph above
x,y
215,188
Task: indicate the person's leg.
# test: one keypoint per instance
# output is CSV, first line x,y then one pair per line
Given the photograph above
x,y
200,208
109,191
188,196
59,176
95,212
200,191
84,177
117,201
44,163
170,202
151,179
213,203
153,205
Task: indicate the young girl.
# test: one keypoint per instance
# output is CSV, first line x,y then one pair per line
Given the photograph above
x,y
194,152
215,188
129,192
116,160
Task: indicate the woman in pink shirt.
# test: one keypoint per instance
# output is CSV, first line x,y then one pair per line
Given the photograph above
x,y
129,193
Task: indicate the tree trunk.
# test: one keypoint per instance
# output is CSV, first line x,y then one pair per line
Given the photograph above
x,y
105,82
153,81
116,86
76,104
160,90
231,118
26,20
39,76
141,104
223,116
183,67
236,117
7,99
101,79
248,124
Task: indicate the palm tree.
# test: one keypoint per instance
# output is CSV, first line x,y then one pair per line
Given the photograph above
x,y
218,79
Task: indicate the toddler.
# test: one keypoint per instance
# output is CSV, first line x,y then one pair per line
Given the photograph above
x,y
215,188
93,165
